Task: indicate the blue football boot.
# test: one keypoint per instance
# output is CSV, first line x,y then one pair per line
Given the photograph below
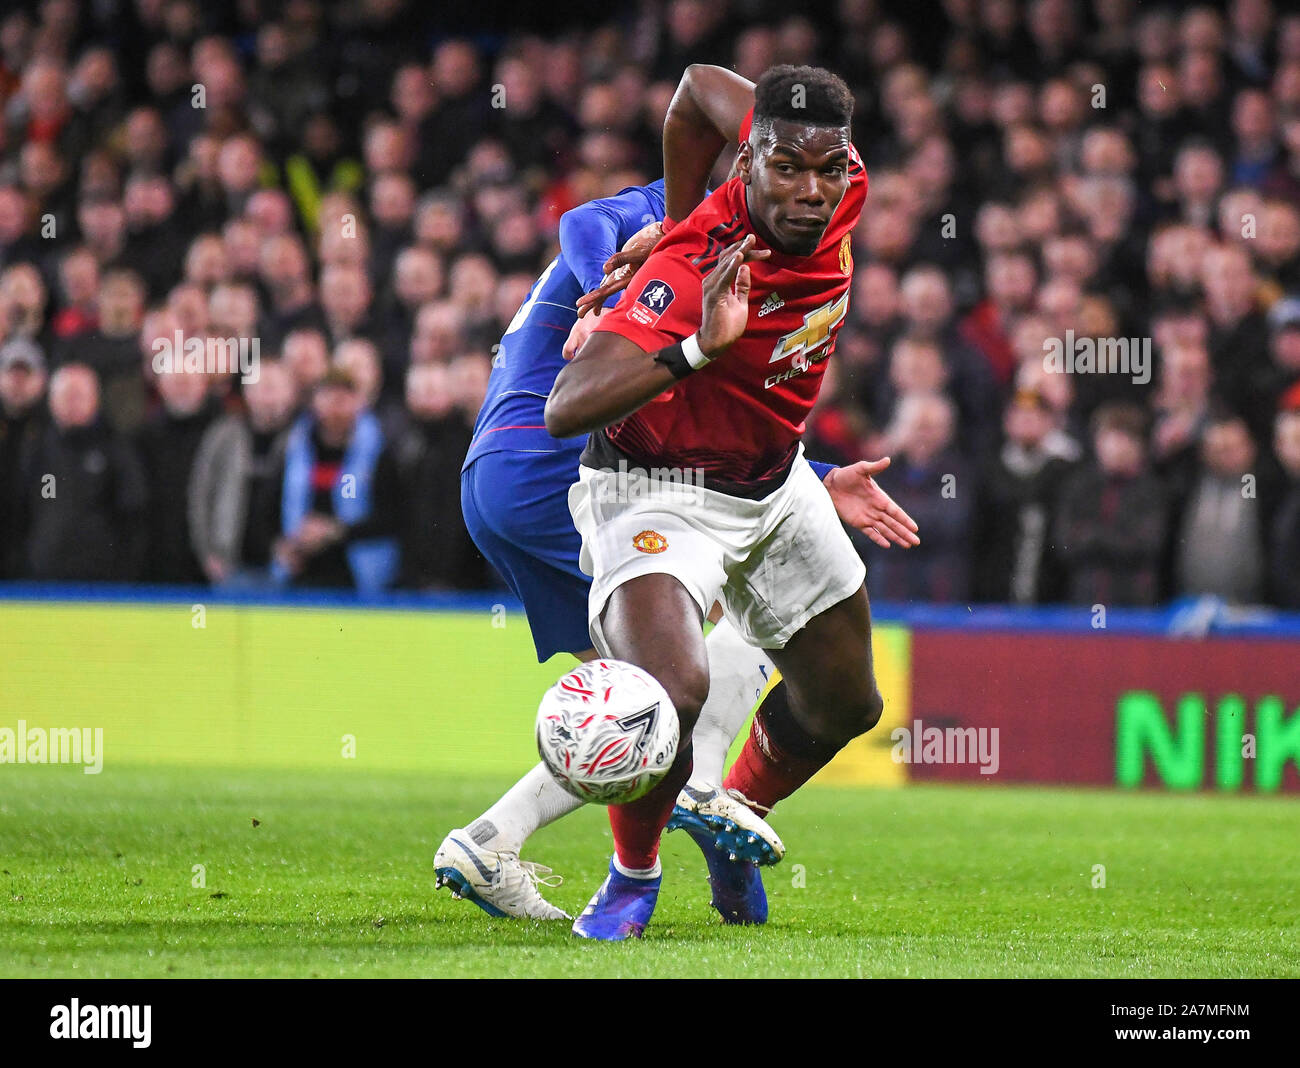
x,y
621,908
737,885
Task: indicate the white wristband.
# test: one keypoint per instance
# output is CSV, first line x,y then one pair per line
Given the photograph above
x,y
694,354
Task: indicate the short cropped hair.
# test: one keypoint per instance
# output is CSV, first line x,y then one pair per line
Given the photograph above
x,y
812,96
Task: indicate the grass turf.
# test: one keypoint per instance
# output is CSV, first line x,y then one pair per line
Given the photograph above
x,y
335,880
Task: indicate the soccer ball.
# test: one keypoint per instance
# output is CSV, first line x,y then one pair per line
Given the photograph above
x,y
607,731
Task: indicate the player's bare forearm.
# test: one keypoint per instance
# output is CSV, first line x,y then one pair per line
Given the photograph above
x,y
608,380
703,118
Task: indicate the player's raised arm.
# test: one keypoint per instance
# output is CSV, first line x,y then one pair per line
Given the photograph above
x,y
611,377
593,232
704,117
619,269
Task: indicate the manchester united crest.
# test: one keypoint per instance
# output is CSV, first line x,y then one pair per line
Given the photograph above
x,y
650,541
846,254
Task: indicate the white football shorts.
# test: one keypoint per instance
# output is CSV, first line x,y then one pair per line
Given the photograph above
x,y
774,564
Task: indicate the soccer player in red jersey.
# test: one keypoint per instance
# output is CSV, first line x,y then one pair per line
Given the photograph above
x,y
710,364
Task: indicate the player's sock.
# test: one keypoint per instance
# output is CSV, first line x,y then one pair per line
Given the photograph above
x,y
533,802
639,873
779,755
638,825
738,674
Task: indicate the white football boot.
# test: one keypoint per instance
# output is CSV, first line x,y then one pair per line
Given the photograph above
x,y
737,829
499,883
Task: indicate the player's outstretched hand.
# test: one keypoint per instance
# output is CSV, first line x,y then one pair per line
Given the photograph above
x,y
580,331
861,503
620,267
726,296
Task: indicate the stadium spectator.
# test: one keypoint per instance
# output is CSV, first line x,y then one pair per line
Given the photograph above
x,y
459,115
1008,203
340,508
17,245
437,552
112,348
1284,536
233,310
81,492
469,381
79,283
307,357
155,239
534,129
935,485
1197,181
243,244
1111,525
319,167
440,332
1264,385
1238,330
345,303
392,214
1019,493
22,423
360,358
285,274
1182,413
102,225
168,443
927,309
1223,530
235,485
22,289
205,262
1009,279
1278,234
417,279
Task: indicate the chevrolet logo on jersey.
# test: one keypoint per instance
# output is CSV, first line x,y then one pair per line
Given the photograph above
x,y
804,344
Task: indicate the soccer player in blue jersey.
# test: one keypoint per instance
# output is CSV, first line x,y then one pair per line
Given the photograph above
x,y
514,493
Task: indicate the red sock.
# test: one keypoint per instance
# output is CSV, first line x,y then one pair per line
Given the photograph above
x,y
639,824
769,770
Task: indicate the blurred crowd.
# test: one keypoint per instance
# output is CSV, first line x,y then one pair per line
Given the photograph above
x,y
371,200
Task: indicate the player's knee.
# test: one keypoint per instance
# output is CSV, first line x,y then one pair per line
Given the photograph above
x,y
842,713
863,713
688,691
871,711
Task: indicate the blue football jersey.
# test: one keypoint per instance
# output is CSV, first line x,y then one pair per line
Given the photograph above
x,y
530,355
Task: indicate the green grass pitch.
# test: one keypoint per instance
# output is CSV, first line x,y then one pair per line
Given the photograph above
x,y
335,879
208,728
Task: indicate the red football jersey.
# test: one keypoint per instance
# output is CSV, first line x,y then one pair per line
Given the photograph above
x,y
739,419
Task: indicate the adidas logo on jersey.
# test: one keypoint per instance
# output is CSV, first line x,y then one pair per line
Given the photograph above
x,y
773,302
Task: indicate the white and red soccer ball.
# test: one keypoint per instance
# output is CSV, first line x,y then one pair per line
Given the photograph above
x,y
607,731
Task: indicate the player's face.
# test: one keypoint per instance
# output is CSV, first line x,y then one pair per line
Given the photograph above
x,y
796,177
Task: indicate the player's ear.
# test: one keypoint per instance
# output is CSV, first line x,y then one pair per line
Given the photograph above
x,y
745,162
